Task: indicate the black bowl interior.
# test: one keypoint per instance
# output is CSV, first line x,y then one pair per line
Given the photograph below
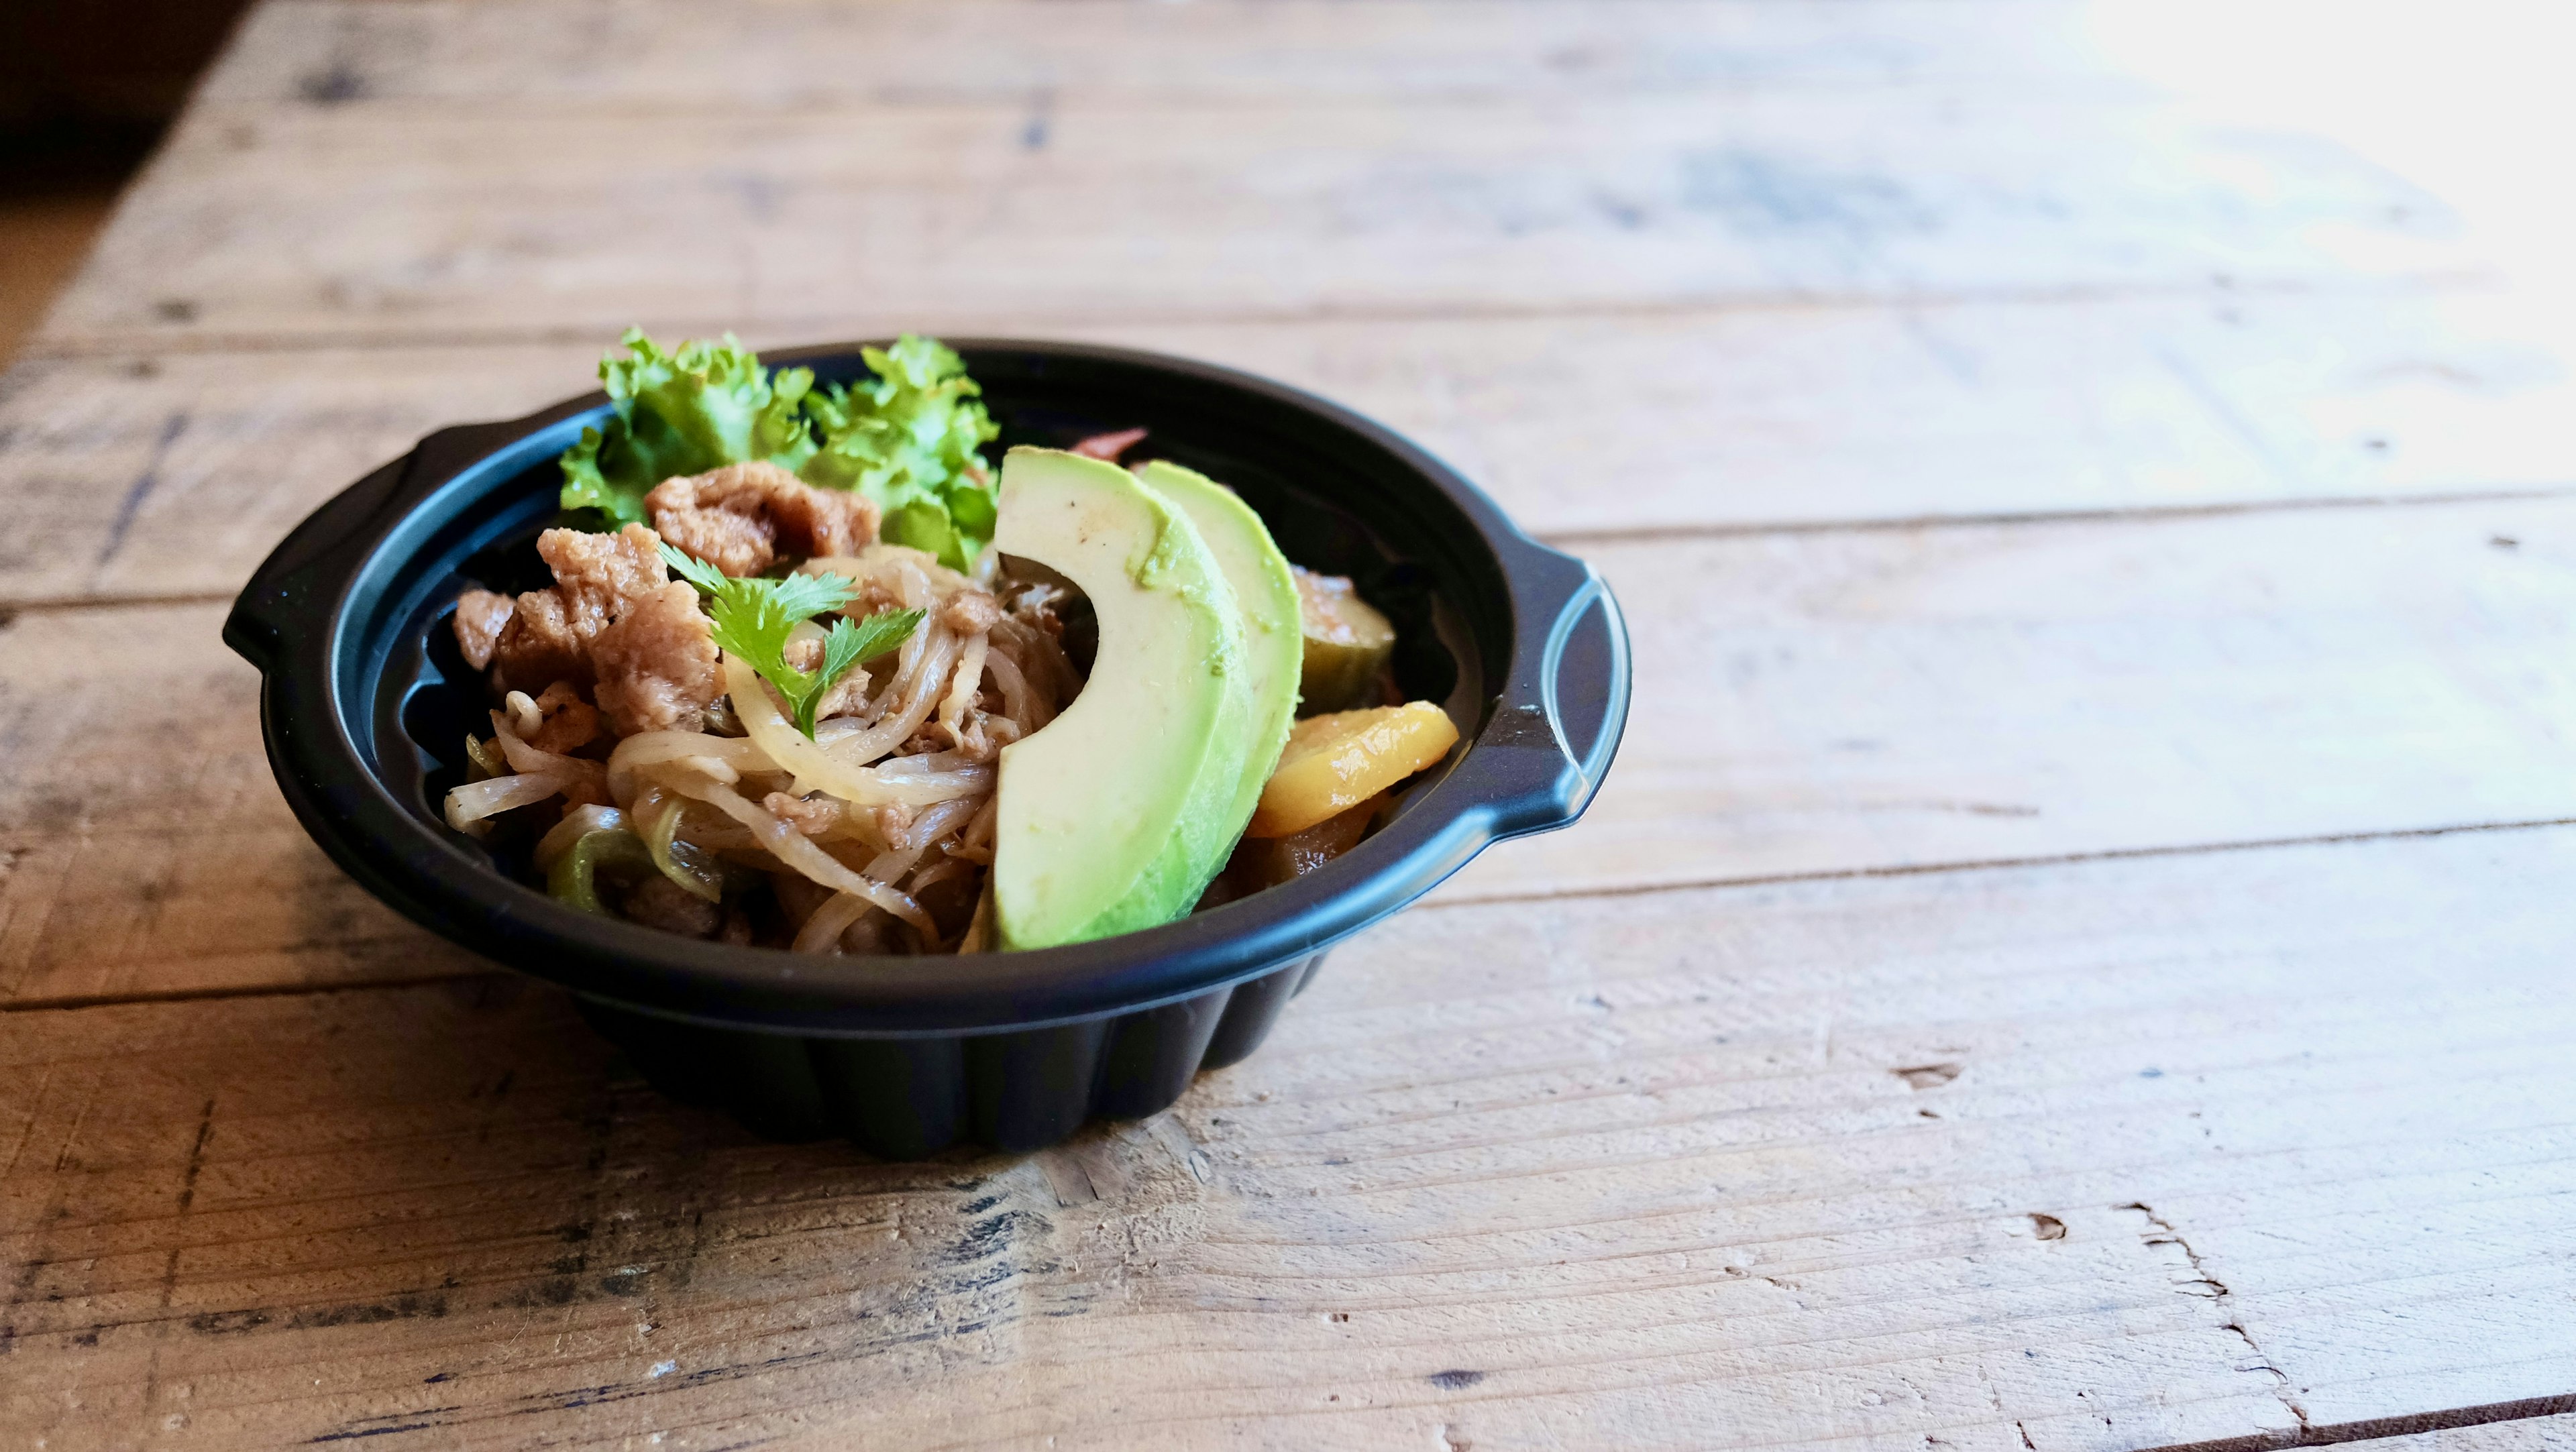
x,y
367,703
427,699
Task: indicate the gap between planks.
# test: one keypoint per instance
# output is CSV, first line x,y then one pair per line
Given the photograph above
x,y
94,343
73,1002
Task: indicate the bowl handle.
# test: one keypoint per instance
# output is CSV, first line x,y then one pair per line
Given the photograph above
x,y
1549,740
276,609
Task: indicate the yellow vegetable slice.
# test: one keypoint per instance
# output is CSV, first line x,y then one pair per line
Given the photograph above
x,y
1336,762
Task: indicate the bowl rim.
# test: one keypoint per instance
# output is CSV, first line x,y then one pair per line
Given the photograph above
x,y
1518,773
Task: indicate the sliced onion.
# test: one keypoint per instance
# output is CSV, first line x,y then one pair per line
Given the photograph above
x,y
963,687
575,823
817,769
1018,701
799,852
822,932
937,822
907,702
680,861
476,800
525,718
525,758
975,844
939,872
733,754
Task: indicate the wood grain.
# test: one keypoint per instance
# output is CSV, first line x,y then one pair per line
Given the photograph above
x,y
2527,1434
174,473
2001,461
144,849
1760,1165
493,222
1896,698
786,54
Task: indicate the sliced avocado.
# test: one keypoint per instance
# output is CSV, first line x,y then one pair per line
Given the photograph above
x,y
1116,815
1266,593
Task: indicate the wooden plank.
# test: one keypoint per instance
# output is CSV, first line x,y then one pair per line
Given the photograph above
x,y
498,222
1816,703
143,846
174,473
1848,1164
1898,698
2522,1434
787,54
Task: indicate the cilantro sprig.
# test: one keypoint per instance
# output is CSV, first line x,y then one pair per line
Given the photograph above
x,y
753,618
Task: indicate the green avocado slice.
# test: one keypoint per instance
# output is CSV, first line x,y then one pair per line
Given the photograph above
x,y
1115,816
1265,590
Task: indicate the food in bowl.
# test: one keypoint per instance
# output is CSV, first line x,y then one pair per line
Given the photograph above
x,y
813,674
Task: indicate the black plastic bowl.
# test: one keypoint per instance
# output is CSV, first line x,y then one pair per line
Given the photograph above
x,y
365,706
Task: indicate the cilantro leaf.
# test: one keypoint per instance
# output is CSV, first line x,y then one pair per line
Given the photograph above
x,y
907,439
753,618
683,411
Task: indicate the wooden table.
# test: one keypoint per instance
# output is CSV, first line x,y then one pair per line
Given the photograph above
x,y
2073,954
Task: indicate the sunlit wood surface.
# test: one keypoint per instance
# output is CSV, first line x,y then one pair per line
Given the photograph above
x,y
2073,955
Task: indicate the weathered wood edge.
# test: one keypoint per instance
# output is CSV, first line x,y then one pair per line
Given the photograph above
x,y
2537,1410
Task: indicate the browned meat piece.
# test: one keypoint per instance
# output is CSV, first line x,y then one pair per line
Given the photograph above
x,y
1109,446
480,617
970,612
740,517
597,576
616,622
566,723
658,902
657,664
539,646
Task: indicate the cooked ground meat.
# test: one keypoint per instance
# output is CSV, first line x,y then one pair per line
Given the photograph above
x,y
741,517
813,818
480,618
618,623
893,820
566,722
970,612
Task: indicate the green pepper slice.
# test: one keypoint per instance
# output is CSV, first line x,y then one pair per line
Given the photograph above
x,y
574,878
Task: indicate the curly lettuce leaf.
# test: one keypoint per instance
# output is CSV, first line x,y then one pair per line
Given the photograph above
x,y
753,618
686,410
907,439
